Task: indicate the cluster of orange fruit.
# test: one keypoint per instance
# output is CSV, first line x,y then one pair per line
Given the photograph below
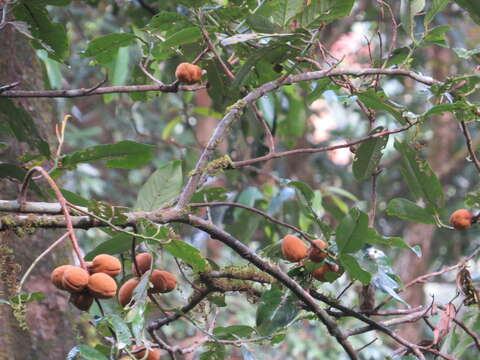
x,y
85,285
295,250
162,281
98,280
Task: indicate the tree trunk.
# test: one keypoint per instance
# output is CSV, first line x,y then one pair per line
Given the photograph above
x,y
45,330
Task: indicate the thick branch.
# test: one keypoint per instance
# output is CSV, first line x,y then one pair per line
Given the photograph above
x,y
100,91
274,271
235,111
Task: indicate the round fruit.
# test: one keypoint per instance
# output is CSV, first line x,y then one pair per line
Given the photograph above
x,y
188,73
162,281
106,264
82,301
57,275
294,249
315,254
102,286
126,291
320,273
75,279
153,353
144,261
461,219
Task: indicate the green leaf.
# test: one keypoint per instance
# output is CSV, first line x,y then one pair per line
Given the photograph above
x,y
285,10
275,311
116,245
210,194
23,126
386,284
46,34
216,352
436,36
324,11
368,155
182,37
435,7
322,85
28,297
165,20
124,155
352,231
354,270
187,253
379,101
118,71
373,238
121,330
163,185
85,352
408,10
105,48
420,178
407,210
472,7
233,332
398,56
52,68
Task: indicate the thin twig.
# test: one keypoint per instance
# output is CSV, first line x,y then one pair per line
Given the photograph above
x,y
35,262
63,203
468,138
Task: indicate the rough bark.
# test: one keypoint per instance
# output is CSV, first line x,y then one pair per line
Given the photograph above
x,y
50,328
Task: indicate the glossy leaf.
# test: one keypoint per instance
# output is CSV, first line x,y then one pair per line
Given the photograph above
x,y
435,7
85,352
122,332
116,245
324,11
379,101
163,185
45,33
407,210
421,180
124,155
187,253
368,155
275,311
105,48
408,10
352,231
354,270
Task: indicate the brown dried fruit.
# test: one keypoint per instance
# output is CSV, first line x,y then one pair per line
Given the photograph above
x,y
75,279
315,254
102,286
188,73
320,273
162,281
126,291
106,264
144,261
57,275
294,249
153,353
461,219
82,301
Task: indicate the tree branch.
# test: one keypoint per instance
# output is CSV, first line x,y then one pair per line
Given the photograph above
x,y
274,271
